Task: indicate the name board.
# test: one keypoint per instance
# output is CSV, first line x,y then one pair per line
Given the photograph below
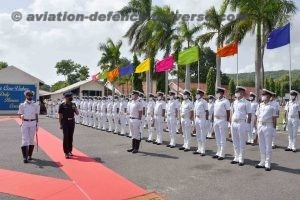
x,y
11,95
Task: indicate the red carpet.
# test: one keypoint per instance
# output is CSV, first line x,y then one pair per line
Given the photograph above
x,y
92,179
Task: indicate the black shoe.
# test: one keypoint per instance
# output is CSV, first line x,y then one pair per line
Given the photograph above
x,y
234,162
135,151
259,166
25,161
130,150
168,145
172,147
30,158
268,169
248,143
294,150
196,153
215,157
25,151
149,141
241,164
154,142
288,149
274,147
70,154
220,158
181,148
186,150
202,154
158,144
67,156
133,143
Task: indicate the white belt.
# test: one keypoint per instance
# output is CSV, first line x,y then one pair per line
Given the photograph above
x,y
265,123
293,117
239,120
200,117
219,117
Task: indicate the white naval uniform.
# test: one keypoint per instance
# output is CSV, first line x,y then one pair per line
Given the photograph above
x,y
178,119
210,119
160,105
144,105
134,121
28,128
115,112
98,114
110,115
292,108
150,119
122,114
201,124
104,115
265,131
276,105
94,113
85,112
186,123
90,113
171,108
128,117
81,111
221,124
77,118
240,109
252,130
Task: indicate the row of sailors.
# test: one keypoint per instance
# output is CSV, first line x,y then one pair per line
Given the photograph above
x,y
249,118
52,107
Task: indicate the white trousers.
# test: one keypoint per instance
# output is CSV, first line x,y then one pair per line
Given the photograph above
x,y
123,124
94,119
28,130
90,118
238,132
265,136
201,132
134,127
251,131
103,120
186,125
116,122
159,123
172,122
293,125
110,121
150,120
221,128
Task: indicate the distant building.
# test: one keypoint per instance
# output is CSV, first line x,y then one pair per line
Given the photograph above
x,y
13,83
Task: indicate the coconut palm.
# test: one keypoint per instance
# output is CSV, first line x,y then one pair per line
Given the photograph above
x,y
260,17
111,55
214,25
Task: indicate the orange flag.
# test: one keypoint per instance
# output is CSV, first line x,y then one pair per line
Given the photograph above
x,y
112,75
228,50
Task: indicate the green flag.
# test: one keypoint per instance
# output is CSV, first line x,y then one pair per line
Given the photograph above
x,y
188,56
102,76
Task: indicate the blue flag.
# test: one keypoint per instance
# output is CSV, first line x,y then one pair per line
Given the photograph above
x,y
279,37
127,70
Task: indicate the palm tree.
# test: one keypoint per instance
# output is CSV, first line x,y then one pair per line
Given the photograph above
x,y
111,55
214,26
261,17
185,34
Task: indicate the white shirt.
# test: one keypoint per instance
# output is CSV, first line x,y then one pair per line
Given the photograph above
x,y
94,105
186,108
254,106
200,108
28,110
85,105
171,108
159,107
293,109
123,106
150,108
103,106
241,108
99,106
109,106
221,107
116,106
276,105
134,108
265,113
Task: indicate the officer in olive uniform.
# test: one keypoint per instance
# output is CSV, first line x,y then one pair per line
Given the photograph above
x,y
67,123
28,112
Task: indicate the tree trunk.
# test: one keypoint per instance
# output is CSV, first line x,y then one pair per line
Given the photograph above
x,y
218,71
258,60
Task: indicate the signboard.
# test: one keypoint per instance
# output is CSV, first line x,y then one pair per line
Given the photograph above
x,y
11,95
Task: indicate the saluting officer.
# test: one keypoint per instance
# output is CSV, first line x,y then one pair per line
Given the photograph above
x,y
172,114
292,115
150,117
135,116
67,123
187,116
159,115
221,120
201,121
28,112
241,110
266,118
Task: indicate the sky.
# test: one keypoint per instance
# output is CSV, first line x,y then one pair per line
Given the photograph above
x,y
36,47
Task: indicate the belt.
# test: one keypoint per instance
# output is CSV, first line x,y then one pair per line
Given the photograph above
x,y
29,120
239,120
200,117
265,123
133,118
69,119
218,117
292,117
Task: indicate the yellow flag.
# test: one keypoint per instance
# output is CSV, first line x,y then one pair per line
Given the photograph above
x,y
143,67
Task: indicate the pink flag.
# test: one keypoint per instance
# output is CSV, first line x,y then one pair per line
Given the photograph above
x,y
165,64
95,78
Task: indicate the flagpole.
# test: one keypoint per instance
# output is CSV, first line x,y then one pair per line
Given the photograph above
x,y
198,74
166,82
290,71
237,68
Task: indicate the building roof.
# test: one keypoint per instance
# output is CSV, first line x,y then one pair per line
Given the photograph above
x,y
72,87
17,70
44,93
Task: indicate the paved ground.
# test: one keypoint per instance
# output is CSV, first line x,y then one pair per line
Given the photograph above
x,y
175,174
